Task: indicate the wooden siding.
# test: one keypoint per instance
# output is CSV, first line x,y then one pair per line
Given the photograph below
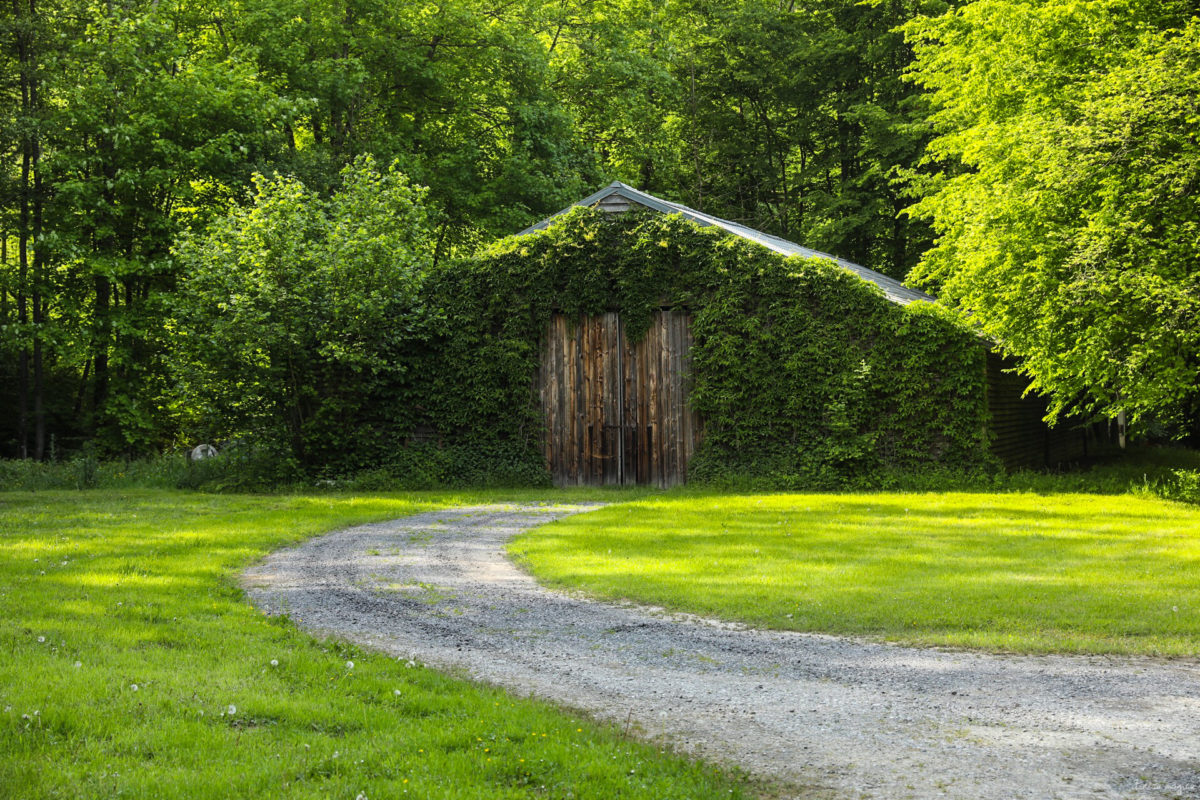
x,y
614,204
1019,436
617,413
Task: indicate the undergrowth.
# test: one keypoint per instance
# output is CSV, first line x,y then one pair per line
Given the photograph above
x,y
1172,473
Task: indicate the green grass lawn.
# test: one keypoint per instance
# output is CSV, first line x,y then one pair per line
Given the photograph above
x,y
131,666
1074,573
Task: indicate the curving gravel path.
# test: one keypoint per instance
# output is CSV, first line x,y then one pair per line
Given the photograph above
x,y
829,716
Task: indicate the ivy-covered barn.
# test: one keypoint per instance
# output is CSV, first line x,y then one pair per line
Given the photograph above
x,y
629,339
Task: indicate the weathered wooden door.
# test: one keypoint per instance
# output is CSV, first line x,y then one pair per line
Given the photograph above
x,y
617,413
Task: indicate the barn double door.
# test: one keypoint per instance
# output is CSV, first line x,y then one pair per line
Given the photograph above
x,y
617,413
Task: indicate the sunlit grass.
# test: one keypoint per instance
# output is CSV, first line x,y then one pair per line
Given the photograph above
x,y
131,666
1005,572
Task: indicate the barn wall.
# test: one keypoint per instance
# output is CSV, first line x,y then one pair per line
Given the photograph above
x,y
617,413
1020,438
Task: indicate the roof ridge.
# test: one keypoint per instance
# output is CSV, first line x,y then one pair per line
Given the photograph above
x,y
895,290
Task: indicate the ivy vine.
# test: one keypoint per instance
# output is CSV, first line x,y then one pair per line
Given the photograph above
x,y
805,375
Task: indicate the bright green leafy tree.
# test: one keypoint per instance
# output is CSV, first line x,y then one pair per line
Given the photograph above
x,y
143,121
297,310
458,92
1069,207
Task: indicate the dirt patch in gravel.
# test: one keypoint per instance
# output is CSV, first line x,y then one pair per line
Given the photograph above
x,y
824,714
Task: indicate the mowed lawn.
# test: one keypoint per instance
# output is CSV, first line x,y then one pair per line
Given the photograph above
x,y
1072,573
132,666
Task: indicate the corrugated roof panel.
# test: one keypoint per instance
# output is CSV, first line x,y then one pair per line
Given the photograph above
x,y
895,291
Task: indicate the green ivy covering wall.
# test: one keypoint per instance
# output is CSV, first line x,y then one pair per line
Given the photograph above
x,y
805,375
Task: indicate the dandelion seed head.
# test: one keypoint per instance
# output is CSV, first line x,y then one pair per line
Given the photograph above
x,y
133,686
396,692
41,639
274,662
231,710
349,665
78,664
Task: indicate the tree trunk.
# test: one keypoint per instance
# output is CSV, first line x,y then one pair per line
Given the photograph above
x,y
87,366
24,29
100,344
848,165
39,266
4,267
899,240
39,396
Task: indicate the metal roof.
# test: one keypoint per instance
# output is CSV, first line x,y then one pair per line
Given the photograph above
x,y
896,291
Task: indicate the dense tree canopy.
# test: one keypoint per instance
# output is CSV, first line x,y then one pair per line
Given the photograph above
x,y
293,313
1061,182
1069,211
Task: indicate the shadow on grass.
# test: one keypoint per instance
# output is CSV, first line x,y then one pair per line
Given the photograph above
x,y
1070,572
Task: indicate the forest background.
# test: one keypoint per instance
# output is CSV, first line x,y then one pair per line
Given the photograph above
x,y
1034,164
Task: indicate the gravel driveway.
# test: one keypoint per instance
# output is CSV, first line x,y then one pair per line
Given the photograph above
x,y
829,716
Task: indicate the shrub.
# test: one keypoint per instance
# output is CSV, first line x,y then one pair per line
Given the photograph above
x,y
296,318
85,471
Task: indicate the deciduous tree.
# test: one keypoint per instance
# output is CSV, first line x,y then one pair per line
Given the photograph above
x,y
1069,207
295,309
